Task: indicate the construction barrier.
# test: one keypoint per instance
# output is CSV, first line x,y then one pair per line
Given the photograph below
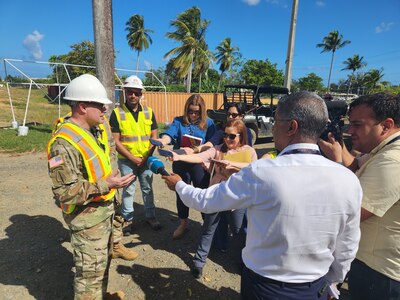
x,y
175,103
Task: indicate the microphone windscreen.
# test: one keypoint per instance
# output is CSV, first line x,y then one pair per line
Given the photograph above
x,y
156,166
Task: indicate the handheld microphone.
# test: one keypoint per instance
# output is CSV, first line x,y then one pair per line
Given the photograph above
x,y
156,166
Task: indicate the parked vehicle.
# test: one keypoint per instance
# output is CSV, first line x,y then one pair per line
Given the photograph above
x,y
260,102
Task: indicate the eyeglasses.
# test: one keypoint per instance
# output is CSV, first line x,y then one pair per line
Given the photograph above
x,y
136,93
231,136
97,105
193,112
233,115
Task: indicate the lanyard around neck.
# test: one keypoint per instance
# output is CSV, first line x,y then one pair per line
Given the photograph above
x,y
302,151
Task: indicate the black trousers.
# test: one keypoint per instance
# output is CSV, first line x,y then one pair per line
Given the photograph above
x,y
190,173
257,287
368,284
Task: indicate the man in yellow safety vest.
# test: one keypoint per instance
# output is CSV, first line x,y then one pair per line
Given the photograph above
x,y
85,178
132,125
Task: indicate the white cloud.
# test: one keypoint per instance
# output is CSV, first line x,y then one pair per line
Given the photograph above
x,y
320,3
251,2
32,44
147,64
280,3
384,27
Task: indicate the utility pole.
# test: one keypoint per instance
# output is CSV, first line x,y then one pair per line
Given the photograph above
x,y
104,44
290,49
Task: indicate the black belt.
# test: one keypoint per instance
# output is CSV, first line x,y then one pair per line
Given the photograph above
x,y
277,282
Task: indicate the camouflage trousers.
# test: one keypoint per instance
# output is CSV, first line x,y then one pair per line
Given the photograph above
x,y
92,258
118,223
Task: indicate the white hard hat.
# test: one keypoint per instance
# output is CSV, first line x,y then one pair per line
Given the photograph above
x,y
133,82
86,88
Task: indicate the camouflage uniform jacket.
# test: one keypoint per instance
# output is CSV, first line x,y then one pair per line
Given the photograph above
x,y
70,185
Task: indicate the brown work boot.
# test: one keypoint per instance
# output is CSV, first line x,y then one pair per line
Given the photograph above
x,y
120,295
180,231
120,251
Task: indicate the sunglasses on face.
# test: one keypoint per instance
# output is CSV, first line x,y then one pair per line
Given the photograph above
x,y
231,136
194,112
233,115
97,105
136,93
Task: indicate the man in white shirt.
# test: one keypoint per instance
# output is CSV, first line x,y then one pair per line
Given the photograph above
x,y
303,210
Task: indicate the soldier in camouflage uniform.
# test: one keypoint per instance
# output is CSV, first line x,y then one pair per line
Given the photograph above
x,y
85,179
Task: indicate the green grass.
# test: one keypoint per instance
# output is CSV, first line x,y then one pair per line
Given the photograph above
x,y
40,112
35,141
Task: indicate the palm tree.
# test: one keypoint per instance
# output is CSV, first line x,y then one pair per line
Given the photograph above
x,y
331,43
138,37
203,62
359,81
353,63
190,32
372,78
225,56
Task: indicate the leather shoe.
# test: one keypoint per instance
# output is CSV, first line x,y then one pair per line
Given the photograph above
x,y
197,272
154,224
179,232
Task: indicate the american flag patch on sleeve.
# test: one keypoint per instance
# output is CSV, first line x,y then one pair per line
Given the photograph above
x,y
55,161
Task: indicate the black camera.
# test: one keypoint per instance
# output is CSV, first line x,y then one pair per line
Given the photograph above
x,y
337,109
335,127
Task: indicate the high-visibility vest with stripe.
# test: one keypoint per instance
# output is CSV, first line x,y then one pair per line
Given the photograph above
x,y
96,160
59,122
135,136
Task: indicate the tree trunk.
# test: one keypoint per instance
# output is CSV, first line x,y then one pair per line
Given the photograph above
x,y
137,62
200,83
189,76
348,90
189,79
219,81
104,45
330,72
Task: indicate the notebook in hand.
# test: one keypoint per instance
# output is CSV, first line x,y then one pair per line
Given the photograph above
x,y
218,161
242,156
190,141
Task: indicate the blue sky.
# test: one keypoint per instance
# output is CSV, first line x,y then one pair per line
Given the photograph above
x,y
35,30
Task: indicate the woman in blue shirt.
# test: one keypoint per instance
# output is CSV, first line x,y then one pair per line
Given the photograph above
x,y
194,122
237,221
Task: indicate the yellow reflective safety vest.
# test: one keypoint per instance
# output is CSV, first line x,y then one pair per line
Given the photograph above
x,y
273,153
59,122
135,136
96,159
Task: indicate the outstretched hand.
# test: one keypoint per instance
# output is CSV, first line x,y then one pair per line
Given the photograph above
x,y
116,181
171,180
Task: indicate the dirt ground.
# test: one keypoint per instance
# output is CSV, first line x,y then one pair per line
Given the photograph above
x,y
36,259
